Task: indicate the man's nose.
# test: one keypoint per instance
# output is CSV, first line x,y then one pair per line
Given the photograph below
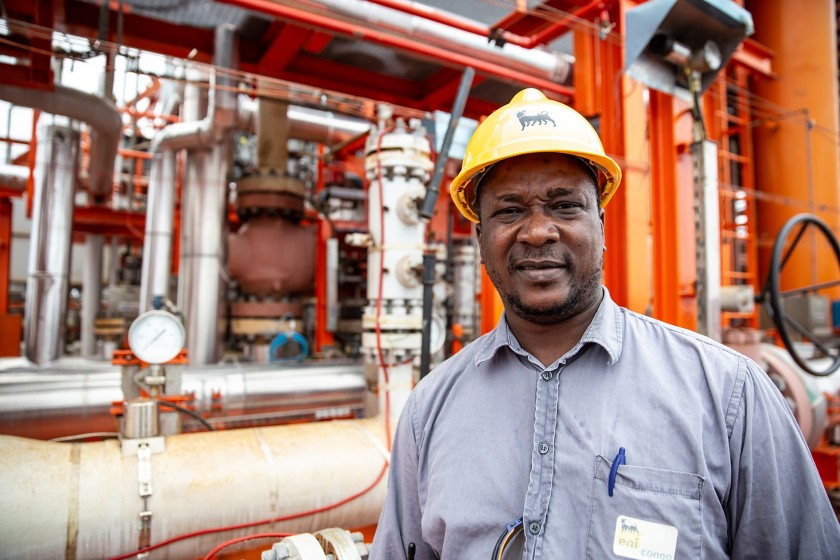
x,y
538,229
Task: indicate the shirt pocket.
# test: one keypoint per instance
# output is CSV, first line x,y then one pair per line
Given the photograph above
x,y
653,513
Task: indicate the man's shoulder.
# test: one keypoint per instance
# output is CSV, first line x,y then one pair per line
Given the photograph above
x,y
652,331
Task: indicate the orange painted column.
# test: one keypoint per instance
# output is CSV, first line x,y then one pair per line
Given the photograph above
x,y
490,304
9,324
603,92
796,147
666,223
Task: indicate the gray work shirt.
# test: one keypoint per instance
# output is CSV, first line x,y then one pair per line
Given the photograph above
x,y
716,466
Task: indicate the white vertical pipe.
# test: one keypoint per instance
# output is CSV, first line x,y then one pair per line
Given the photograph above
x,y
157,243
91,291
45,310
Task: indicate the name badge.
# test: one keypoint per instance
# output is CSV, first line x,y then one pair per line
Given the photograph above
x,y
643,540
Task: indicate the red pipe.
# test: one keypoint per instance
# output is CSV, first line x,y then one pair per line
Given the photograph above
x,y
359,32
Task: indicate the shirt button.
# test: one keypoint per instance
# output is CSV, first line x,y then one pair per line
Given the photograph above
x,y
534,528
547,375
543,448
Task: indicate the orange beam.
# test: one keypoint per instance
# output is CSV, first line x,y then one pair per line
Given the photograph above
x,y
9,324
5,252
490,304
666,273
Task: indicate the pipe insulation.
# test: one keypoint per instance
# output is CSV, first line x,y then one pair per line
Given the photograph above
x,y
538,67
305,123
157,243
99,113
81,500
47,282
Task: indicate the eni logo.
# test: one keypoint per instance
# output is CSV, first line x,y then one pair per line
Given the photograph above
x,y
540,118
629,535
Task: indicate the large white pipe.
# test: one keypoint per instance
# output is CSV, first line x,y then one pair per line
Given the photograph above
x,y
56,167
538,62
81,500
202,282
100,113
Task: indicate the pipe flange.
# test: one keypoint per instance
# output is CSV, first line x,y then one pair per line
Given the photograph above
x,y
342,544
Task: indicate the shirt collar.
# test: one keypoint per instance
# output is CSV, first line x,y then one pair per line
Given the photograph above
x,y
605,330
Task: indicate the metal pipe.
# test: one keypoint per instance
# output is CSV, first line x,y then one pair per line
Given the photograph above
x,y
14,177
428,294
91,291
539,68
203,280
272,135
56,167
99,113
500,35
430,200
305,123
157,243
84,497
74,395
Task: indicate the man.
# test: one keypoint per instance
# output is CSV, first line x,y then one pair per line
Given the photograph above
x,y
612,435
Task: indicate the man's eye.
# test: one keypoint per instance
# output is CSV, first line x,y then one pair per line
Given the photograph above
x,y
506,211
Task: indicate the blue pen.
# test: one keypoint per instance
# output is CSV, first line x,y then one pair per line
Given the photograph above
x,y
619,460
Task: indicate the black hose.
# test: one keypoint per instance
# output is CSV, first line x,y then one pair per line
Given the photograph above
x,y
429,202
428,285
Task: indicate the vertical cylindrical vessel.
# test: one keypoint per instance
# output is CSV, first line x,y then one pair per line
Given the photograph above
x,y
796,154
91,291
398,166
56,168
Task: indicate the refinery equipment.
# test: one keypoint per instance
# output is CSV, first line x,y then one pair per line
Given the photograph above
x,y
224,263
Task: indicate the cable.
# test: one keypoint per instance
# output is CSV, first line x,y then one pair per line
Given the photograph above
x,y
188,412
260,522
101,435
231,542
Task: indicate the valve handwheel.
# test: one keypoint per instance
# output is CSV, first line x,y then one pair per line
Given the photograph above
x,y
773,295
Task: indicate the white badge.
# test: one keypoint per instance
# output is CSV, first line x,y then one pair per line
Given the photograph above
x,y
636,538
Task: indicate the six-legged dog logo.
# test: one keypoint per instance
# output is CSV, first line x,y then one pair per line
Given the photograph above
x,y
538,119
629,527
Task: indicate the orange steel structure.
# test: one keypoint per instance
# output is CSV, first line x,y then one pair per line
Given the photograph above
x,y
773,112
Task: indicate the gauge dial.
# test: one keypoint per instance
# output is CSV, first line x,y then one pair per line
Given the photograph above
x,y
156,337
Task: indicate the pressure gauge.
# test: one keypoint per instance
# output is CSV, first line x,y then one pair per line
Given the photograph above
x,y
156,337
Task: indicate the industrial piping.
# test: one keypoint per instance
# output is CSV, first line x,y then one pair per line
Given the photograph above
x,y
82,500
533,67
47,281
100,113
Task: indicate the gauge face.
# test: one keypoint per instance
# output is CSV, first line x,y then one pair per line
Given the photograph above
x,y
156,337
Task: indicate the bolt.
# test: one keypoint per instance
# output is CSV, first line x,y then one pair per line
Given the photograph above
x,y
279,551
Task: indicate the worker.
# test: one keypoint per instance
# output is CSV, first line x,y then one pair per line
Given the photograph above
x,y
587,429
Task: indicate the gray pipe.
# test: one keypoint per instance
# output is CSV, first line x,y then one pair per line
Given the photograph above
x,y
56,166
13,177
201,285
91,292
74,395
305,123
538,62
101,114
157,243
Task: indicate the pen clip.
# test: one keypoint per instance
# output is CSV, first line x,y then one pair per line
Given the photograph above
x,y
619,460
412,549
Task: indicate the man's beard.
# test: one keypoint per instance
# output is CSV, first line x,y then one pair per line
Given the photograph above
x,y
580,297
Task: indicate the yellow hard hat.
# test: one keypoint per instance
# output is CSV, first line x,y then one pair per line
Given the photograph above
x,y
529,124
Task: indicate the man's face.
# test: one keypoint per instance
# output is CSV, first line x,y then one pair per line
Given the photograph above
x,y
541,236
